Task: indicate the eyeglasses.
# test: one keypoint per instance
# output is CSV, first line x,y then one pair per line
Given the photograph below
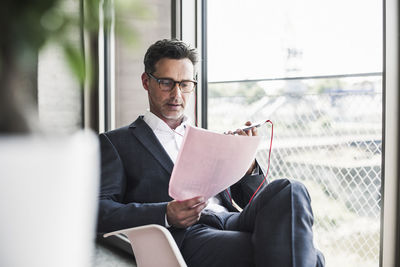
x,y
166,84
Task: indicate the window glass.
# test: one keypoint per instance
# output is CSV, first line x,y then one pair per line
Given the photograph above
x,y
314,68
259,39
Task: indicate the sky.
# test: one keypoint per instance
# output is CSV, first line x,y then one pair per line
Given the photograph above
x,y
249,39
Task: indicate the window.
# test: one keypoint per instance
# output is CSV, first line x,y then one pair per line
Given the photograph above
x,y
314,68
130,97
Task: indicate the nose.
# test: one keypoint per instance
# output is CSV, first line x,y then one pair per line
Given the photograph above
x,y
176,91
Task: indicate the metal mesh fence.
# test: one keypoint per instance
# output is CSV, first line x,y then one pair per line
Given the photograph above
x,y
332,143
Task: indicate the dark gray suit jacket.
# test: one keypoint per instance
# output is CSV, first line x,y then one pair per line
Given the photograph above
x,y
135,173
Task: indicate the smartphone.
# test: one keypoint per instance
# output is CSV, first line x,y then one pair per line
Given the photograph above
x,y
253,125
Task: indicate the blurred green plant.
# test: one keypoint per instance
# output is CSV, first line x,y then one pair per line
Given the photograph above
x,y
26,26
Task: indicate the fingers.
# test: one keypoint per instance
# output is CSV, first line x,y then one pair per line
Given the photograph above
x,y
248,132
240,132
185,213
190,220
254,131
188,203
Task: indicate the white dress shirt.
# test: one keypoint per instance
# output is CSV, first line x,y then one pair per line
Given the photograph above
x,y
171,141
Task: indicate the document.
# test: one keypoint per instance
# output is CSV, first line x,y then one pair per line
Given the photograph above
x,y
209,162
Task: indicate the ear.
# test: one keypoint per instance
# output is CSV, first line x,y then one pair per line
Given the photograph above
x,y
145,81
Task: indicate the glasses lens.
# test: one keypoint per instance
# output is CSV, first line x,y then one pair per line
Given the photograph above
x,y
187,86
166,84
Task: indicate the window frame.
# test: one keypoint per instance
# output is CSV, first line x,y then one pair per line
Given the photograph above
x,y
390,221
188,24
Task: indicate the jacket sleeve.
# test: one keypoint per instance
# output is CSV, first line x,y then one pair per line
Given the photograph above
x,y
243,190
114,214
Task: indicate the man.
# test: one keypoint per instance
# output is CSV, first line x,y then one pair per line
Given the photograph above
x,y
275,229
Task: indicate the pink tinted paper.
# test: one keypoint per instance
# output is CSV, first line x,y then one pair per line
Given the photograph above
x,y
209,162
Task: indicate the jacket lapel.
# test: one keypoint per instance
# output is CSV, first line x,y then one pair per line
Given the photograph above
x,y
146,136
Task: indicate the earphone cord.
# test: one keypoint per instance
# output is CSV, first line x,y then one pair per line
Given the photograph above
x,y
269,160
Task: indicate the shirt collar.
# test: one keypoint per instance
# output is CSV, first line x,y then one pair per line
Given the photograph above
x,y
157,124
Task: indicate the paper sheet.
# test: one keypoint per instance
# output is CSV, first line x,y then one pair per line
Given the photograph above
x,y
209,162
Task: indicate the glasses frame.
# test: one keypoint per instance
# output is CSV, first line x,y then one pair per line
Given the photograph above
x,y
175,82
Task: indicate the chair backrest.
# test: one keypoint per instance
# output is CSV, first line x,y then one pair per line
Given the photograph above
x,y
153,246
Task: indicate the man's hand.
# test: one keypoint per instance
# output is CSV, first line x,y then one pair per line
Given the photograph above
x,y
182,214
250,132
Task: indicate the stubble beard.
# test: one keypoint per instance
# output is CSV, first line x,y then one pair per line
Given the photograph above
x,y
175,116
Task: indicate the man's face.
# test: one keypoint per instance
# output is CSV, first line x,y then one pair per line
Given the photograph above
x,y
169,106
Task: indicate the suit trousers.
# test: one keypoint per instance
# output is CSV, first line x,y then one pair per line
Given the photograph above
x,y
275,229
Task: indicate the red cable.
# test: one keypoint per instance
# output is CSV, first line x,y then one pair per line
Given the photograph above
x,y
269,160
195,107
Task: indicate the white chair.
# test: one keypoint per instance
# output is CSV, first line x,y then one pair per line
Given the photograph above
x,y
153,246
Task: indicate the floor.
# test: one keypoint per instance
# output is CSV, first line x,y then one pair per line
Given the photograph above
x,y
107,256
